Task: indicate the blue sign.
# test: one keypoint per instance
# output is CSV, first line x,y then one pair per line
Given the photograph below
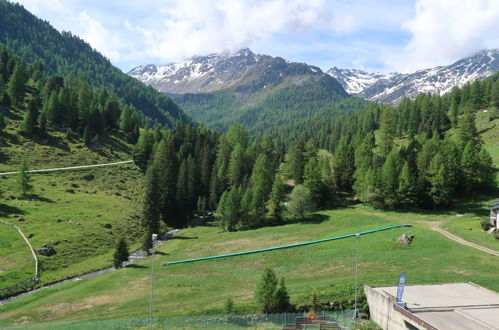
x,y
400,290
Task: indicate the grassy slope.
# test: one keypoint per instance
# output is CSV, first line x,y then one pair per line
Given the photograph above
x,y
85,199
329,267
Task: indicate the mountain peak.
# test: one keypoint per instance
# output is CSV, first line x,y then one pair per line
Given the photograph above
x,y
392,87
229,69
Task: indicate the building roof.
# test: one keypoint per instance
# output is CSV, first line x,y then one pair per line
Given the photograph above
x,y
451,306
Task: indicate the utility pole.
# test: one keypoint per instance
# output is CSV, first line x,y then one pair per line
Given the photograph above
x,y
154,237
357,237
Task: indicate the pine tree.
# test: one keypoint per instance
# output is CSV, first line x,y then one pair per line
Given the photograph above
x,y
297,161
237,164
87,136
486,175
275,204
52,109
343,165
121,253
281,297
387,129
23,180
229,208
16,84
150,211
470,166
494,95
143,150
407,193
467,129
313,182
3,123
165,160
265,291
27,125
441,186
300,201
389,178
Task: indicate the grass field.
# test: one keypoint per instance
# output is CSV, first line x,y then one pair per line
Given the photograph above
x,y
16,261
203,287
79,212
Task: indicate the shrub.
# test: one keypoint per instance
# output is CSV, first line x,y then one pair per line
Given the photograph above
x,y
486,224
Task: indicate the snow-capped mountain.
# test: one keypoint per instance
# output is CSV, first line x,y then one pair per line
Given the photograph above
x,y
392,87
201,74
356,81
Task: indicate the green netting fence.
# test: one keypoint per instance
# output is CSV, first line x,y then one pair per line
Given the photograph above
x,y
344,318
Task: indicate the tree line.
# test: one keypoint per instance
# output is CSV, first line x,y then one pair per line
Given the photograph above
x,y
384,156
61,102
64,54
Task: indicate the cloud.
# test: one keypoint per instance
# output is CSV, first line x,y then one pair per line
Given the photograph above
x,y
192,27
100,38
443,31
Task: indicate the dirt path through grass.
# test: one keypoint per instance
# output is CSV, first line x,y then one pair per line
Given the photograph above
x,y
435,226
70,167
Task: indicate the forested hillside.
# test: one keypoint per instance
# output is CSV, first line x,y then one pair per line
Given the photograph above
x,y
64,54
425,153
54,102
283,111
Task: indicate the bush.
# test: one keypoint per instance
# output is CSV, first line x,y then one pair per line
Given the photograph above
x,y
486,224
229,306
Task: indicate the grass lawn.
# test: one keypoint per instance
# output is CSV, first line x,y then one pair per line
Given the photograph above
x,y
16,262
107,206
79,212
203,287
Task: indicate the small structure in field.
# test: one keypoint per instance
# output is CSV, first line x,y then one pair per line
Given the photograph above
x,y
494,219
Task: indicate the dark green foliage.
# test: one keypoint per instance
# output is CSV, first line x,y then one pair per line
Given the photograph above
x,y
271,295
143,150
276,201
28,124
300,201
61,102
229,306
34,40
3,123
16,84
121,253
23,180
151,207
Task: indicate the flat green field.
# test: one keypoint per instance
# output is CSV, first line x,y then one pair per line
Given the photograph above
x,y
203,287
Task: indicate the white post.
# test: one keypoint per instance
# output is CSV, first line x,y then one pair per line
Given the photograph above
x,y
154,237
356,272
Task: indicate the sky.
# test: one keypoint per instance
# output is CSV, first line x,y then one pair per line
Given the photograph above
x,y
371,35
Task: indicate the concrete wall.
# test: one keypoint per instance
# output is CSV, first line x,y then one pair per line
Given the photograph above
x,y
385,315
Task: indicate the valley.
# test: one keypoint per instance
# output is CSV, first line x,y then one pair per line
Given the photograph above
x,y
227,152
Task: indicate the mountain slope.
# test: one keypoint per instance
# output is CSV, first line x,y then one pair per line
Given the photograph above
x,y
35,40
393,87
264,93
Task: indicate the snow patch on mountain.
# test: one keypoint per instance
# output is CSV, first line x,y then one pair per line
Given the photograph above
x,y
392,87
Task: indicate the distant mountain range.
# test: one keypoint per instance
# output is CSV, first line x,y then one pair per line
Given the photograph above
x,y
392,87
243,69
264,93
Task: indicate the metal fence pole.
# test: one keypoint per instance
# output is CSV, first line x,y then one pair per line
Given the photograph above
x,y
356,274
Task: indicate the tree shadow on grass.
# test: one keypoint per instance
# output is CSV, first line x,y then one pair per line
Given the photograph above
x,y
477,204
7,209
38,198
135,266
183,237
313,218
161,253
